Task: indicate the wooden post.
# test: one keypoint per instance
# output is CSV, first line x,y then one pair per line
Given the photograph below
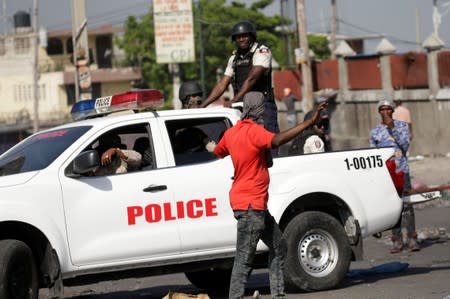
x,y
306,67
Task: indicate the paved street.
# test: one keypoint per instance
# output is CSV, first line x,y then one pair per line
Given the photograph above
x,y
427,274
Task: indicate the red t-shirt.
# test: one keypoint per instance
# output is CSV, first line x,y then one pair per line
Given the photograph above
x,y
246,143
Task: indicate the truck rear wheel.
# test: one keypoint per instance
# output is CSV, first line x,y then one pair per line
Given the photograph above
x,y
18,273
211,279
318,254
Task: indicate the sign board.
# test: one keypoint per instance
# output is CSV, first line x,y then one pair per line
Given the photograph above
x,y
84,79
174,31
299,56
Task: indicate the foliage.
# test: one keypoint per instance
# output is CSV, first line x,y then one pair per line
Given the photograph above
x,y
319,45
215,18
139,44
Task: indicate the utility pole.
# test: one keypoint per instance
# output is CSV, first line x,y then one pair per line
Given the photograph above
x,y
5,20
418,37
81,59
35,43
284,31
333,28
202,51
306,66
437,19
174,69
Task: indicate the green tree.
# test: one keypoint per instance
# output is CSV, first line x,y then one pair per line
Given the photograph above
x,y
139,45
215,18
319,45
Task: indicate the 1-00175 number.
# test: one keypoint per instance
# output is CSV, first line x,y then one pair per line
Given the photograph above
x,y
364,162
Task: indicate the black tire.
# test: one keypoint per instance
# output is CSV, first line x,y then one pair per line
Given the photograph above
x,y
18,273
217,280
319,253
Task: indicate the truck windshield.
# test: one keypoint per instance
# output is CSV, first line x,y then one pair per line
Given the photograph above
x,y
39,151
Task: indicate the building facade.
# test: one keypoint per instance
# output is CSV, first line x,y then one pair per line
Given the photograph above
x,y
56,83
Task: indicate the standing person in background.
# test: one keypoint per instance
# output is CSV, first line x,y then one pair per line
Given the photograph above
x,y
313,139
289,100
248,69
322,127
395,133
402,113
246,143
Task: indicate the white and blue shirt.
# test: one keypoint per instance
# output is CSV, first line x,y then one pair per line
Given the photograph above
x,y
397,137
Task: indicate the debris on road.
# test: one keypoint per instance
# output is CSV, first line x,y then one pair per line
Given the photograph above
x,y
392,267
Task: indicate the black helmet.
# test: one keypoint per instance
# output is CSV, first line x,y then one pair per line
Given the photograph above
x,y
189,88
243,27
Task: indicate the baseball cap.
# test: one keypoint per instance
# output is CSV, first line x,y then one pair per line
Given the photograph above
x,y
385,102
321,99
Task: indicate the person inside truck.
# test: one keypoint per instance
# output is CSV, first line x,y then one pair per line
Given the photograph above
x,y
395,133
192,139
114,157
247,143
142,146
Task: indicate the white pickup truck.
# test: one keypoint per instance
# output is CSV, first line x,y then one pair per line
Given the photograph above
x,y
60,225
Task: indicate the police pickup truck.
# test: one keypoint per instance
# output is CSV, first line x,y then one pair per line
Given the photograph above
x,y
61,225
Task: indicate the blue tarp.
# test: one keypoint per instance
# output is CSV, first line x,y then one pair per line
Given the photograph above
x,y
391,267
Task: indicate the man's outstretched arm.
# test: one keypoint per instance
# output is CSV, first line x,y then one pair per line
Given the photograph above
x,y
287,135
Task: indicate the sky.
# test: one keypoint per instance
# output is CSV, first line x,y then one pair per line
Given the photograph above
x,y
394,19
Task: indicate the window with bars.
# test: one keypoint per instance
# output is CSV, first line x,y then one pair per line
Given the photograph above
x,y
24,92
22,45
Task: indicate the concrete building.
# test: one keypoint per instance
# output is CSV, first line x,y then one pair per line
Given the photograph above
x,y
56,87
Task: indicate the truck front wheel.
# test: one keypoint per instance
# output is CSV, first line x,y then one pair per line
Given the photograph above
x,y
18,274
318,254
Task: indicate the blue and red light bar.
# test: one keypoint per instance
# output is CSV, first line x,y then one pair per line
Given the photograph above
x,y
131,100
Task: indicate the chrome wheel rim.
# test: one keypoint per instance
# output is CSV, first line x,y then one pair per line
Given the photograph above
x,y
318,253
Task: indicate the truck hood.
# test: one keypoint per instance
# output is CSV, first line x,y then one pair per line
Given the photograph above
x,y
17,179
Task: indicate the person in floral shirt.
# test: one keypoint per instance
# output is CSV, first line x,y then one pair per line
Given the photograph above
x,y
395,133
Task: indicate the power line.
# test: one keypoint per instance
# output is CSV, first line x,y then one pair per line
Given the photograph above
x,y
115,16
392,37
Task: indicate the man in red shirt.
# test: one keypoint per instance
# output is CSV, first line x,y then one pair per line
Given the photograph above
x,y
247,143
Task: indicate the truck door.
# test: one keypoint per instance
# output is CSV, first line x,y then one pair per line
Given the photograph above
x,y
121,217
203,182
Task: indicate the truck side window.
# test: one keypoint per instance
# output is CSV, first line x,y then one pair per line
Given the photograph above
x,y
134,141
193,140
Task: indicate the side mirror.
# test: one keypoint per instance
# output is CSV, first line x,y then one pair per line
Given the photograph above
x,y
86,162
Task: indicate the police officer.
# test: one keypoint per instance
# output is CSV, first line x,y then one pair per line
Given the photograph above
x,y
192,139
248,69
190,94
